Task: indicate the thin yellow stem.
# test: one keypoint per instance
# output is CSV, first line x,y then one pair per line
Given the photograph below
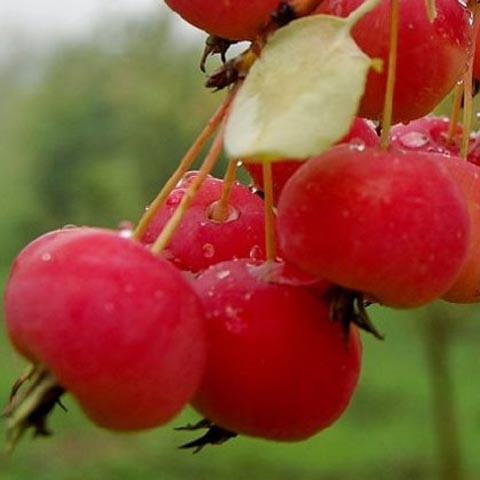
x,y
184,165
392,67
174,221
431,10
219,212
269,212
468,94
456,107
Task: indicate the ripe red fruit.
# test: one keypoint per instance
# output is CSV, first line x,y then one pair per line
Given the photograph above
x,y
432,56
390,224
431,135
466,288
277,366
201,241
361,133
233,20
120,328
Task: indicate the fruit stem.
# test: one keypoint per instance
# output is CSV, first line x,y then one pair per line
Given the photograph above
x,y
174,221
184,165
467,91
456,107
219,211
269,212
437,337
431,10
391,74
360,11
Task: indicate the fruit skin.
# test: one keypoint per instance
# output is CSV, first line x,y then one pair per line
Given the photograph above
x,y
200,241
390,224
430,134
121,329
233,20
431,56
277,366
466,288
361,132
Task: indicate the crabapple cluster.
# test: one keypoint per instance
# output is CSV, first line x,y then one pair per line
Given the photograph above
x,y
248,306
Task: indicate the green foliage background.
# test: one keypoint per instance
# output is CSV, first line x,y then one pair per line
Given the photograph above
x,y
88,137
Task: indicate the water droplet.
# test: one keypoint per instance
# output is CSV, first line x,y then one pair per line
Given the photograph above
x,y
239,163
126,233
187,177
125,225
46,257
208,250
234,322
357,144
175,197
232,212
413,140
256,253
69,226
223,274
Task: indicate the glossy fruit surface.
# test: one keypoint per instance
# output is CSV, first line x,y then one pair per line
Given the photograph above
x,y
466,288
233,20
390,224
431,134
361,133
277,366
432,57
201,241
121,329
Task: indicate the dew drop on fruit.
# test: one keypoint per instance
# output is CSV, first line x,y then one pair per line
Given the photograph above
x,y
239,163
234,322
232,213
175,197
208,250
256,253
357,144
414,140
223,274
69,226
46,257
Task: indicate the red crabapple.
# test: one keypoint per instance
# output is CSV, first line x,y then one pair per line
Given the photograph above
x,y
201,241
277,366
390,224
361,133
430,134
466,288
119,328
432,56
233,20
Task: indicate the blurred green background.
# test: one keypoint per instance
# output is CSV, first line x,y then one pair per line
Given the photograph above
x,y
88,134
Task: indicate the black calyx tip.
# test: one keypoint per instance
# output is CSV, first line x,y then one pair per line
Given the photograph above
x,y
349,307
224,77
215,46
214,435
33,397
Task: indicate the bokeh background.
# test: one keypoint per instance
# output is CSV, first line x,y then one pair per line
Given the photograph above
x,y
97,103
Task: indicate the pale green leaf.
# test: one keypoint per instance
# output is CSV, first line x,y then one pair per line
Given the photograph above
x,y
301,96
